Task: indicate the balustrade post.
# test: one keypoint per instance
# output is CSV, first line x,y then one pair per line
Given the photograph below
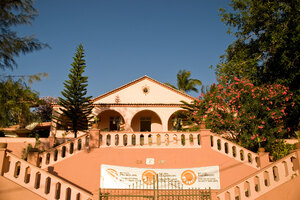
x,y
146,141
121,141
263,158
94,138
34,158
297,150
138,139
112,139
3,160
51,140
129,140
63,191
205,139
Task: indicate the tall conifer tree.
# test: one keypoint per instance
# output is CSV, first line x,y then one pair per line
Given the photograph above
x,y
76,107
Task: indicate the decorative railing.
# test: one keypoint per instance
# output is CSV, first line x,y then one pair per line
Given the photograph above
x,y
234,151
41,182
262,181
64,150
150,139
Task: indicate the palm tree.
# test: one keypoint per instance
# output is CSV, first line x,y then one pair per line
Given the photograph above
x,y
185,83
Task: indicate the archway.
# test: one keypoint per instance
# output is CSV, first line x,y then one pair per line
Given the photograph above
x,y
178,121
146,121
110,120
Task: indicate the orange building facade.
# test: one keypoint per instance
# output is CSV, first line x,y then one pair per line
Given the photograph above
x,y
134,131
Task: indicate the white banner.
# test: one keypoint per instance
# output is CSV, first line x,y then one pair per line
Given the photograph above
x,y
117,177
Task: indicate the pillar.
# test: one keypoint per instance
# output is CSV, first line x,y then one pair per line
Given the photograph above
x,y
2,157
33,158
94,138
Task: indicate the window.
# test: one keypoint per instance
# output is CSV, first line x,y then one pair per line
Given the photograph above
x,y
145,125
114,123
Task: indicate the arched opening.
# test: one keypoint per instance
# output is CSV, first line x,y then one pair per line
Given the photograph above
x,y
125,138
275,173
55,154
57,190
226,147
47,158
63,151
286,170
71,148
79,144
17,169
47,185
237,193
110,120
68,193
37,181
178,121
266,178
27,175
146,121
219,144
247,189
256,184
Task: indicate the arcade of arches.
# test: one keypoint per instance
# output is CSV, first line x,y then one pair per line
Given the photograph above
x,y
142,121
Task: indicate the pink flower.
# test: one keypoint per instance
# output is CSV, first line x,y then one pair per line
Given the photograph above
x,y
260,127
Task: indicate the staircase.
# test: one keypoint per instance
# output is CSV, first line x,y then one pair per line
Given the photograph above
x,y
64,151
234,151
41,182
263,181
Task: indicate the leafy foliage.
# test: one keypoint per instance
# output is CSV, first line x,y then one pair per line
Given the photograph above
x,y
44,110
76,107
252,115
16,99
185,83
266,49
12,13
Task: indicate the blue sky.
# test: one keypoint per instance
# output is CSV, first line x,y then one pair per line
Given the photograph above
x,y
124,40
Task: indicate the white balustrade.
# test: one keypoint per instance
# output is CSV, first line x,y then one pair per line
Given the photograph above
x,y
262,181
233,150
64,151
151,139
34,179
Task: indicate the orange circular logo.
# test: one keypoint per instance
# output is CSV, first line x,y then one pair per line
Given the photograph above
x,y
148,177
188,177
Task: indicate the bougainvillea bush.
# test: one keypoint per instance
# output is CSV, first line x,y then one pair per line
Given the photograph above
x,y
252,116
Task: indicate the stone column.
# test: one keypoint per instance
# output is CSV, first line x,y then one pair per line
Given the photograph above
x,y
94,138
263,158
2,157
297,161
51,140
205,139
33,158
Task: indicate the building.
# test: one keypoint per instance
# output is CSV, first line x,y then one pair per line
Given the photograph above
x,y
133,140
